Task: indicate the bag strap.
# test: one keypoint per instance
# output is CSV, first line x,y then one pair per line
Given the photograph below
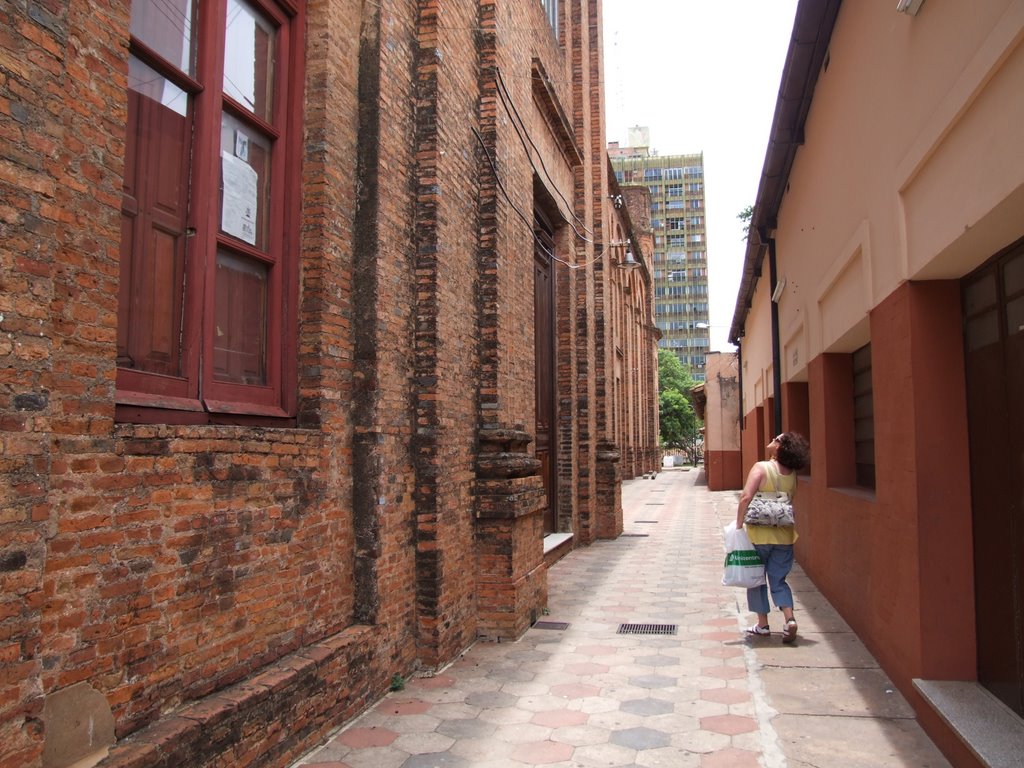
x,y
773,478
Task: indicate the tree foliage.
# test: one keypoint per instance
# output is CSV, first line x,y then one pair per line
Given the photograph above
x,y
672,375
676,417
680,427
745,217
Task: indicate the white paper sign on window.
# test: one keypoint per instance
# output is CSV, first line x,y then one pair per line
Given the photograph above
x,y
238,213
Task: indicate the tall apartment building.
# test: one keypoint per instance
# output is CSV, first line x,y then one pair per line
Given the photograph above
x,y
678,218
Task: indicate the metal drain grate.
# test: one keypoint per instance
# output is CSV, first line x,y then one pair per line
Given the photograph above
x,y
559,625
647,629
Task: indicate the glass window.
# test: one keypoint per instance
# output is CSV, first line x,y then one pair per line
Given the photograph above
x,y
165,26
208,250
863,417
551,12
249,70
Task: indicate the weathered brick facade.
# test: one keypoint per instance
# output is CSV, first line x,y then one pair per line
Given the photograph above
x,y
233,590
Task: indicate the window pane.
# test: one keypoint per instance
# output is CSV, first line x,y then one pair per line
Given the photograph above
x,y
240,343
982,330
153,224
980,294
153,86
1015,316
245,183
166,27
249,59
1013,275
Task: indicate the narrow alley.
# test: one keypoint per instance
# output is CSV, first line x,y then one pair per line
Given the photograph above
x,y
642,660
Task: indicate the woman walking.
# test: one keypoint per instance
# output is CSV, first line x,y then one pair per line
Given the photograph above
x,y
788,453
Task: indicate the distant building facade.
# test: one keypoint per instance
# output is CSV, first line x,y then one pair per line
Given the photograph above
x,y
679,224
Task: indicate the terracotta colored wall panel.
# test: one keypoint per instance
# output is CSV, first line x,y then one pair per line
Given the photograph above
x,y
724,470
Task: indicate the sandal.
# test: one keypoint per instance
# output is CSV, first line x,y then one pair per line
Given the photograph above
x,y
789,634
758,630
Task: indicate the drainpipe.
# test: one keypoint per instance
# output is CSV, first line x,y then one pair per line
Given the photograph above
x,y
739,381
776,352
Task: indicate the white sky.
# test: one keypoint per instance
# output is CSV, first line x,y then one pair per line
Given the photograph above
x,y
703,75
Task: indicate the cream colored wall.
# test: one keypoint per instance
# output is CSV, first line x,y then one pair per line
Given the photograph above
x,y
912,168
756,346
721,422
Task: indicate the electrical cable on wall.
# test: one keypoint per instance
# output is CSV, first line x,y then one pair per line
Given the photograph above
x,y
529,224
515,116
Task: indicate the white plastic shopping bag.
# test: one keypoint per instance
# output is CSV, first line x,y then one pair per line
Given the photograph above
x,y
743,566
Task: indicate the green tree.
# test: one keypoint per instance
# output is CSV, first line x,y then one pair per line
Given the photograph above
x,y
680,427
676,417
745,216
672,375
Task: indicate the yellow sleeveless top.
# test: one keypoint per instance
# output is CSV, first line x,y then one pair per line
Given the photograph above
x,y
768,534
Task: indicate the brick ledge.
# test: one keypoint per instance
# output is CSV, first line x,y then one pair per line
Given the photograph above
x,y
244,721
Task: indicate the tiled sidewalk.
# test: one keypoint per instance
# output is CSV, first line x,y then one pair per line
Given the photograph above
x,y
706,696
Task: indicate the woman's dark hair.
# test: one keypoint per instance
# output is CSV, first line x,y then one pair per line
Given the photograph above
x,y
793,451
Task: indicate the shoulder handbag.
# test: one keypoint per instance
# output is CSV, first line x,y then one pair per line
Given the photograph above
x,y
770,507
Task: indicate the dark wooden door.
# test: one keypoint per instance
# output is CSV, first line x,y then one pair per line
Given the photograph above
x,y
544,361
993,300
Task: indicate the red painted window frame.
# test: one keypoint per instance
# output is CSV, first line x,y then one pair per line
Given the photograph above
x,y
196,397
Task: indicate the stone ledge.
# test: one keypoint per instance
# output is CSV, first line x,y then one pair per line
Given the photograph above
x,y
556,546
990,729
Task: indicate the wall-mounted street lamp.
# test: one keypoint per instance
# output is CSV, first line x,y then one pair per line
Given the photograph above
x,y
628,261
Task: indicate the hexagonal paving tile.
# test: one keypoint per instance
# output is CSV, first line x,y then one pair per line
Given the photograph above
x,y
668,757
519,733
728,724
358,738
376,757
436,760
423,743
725,673
653,681
542,752
730,758
722,652
597,650
491,699
647,707
575,690
412,723
404,707
725,695
603,756
581,735
505,715
540,703
466,728
658,660
559,718
641,738
437,681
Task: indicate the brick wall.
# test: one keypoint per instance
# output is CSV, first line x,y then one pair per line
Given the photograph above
x,y
232,591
